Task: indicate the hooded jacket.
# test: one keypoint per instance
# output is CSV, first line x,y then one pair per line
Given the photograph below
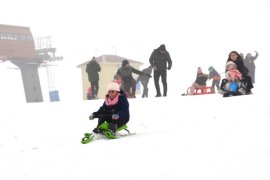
x,y
159,59
126,73
144,78
92,70
121,108
201,79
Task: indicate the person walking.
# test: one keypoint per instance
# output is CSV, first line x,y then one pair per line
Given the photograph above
x,y
161,61
93,68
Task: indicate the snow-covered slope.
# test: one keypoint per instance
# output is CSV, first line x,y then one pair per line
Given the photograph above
x,y
198,137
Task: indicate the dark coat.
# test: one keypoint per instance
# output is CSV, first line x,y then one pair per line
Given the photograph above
x,y
121,108
144,78
159,59
92,70
126,73
201,79
249,62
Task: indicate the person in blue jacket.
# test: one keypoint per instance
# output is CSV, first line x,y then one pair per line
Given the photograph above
x,y
213,74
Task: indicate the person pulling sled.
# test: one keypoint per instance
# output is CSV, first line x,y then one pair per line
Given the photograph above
x,y
112,116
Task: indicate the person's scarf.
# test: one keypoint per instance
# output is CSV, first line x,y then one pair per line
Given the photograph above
x,y
110,102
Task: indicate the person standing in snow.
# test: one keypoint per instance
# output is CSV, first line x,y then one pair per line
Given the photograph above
x,y
249,63
145,80
213,74
161,61
128,82
92,69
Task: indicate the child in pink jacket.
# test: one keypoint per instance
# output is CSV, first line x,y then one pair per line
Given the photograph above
x,y
232,75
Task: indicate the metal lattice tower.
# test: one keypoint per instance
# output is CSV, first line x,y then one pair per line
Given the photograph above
x,y
47,53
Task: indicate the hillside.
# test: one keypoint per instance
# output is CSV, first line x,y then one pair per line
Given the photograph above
x,y
199,137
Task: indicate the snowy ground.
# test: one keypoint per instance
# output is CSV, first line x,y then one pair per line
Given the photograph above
x,y
191,138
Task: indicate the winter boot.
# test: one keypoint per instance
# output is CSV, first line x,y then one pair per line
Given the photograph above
x,y
122,131
110,132
226,94
100,128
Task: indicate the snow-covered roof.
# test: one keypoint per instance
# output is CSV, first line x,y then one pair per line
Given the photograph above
x,y
111,59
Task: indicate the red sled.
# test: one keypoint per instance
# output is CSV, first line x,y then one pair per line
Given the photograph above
x,y
203,90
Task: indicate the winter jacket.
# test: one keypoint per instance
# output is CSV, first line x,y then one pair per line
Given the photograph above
x,y
240,66
214,74
121,108
126,73
233,75
201,79
249,62
143,78
159,59
92,70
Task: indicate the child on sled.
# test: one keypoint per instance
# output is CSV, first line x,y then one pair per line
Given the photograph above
x,y
232,80
113,115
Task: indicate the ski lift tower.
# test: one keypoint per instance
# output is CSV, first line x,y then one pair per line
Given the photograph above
x,y
47,53
17,46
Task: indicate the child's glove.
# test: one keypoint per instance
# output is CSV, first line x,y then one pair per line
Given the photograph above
x,y
91,117
115,116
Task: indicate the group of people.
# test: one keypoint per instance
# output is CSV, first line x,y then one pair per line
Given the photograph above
x,y
160,61
114,112
113,115
239,76
237,80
